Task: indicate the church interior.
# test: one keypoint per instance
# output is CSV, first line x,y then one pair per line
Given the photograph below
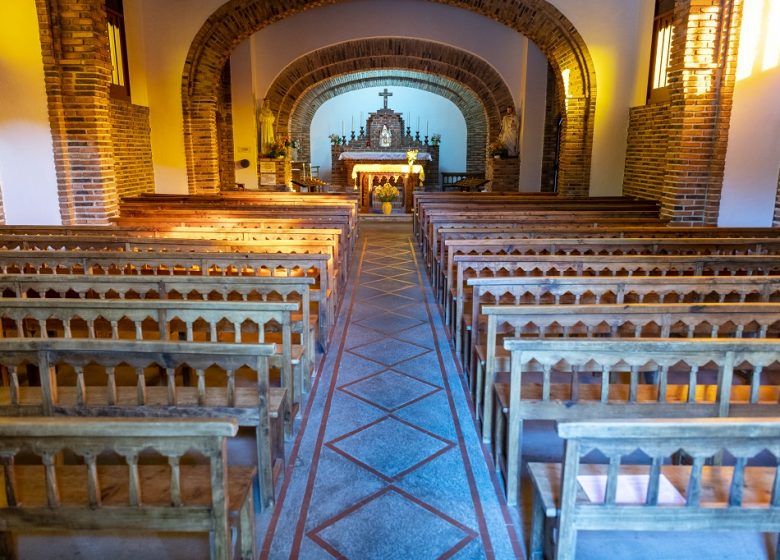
x,y
381,279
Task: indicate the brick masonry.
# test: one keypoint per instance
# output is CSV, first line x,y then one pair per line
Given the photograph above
x,y
2,206
776,221
227,166
131,141
688,179
236,20
504,174
646,153
552,114
74,46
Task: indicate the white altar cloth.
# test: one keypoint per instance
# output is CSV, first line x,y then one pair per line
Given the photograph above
x,y
393,168
381,156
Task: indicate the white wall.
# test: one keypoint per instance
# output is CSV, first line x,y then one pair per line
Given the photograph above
x,y
753,154
437,114
243,107
616,33
27,172
533,113
609,27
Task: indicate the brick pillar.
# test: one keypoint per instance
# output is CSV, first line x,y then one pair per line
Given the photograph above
x,y
701,82
74,44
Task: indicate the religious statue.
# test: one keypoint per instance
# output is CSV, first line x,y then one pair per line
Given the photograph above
x,y
384,137
266,123
509,132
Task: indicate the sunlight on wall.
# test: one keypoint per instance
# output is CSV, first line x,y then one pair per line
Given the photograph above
x,y
759,40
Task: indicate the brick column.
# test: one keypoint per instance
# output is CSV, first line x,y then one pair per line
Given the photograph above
x,y
701,82
74,44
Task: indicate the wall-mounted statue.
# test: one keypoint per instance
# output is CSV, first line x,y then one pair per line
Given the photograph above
x,y
266,125
385,137
508,137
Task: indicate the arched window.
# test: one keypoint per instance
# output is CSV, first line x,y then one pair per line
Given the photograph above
x,y
663,26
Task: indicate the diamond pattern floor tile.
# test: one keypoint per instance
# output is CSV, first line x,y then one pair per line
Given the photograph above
x,y
390,390
413,531
389,301
389,322
389,351
390,448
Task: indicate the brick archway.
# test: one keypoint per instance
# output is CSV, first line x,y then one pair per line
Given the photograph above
x,y
539,20
473,85
305,107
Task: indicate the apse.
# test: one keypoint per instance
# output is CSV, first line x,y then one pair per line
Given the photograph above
x,y
421,111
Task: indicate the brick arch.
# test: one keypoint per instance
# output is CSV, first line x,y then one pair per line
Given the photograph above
x,y
304,108
472,84
236,20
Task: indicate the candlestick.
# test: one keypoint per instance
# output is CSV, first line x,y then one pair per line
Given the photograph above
x,y
408,131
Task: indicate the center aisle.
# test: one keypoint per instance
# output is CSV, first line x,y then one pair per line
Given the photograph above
x,y
387,463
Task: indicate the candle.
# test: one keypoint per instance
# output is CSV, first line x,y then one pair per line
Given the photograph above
x,y
353,123
342,128
418,123
361,119
426,127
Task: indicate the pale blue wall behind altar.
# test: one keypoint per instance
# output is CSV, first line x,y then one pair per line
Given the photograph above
x,y
439,114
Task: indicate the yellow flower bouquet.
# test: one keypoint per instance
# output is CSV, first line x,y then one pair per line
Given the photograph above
x,y
386,192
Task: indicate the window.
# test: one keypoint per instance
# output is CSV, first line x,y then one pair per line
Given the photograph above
x,y
120,83
663,26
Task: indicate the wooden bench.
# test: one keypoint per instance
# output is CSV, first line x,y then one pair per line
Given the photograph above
x,y
231,288
596,290
584,380
551,266
197,264
699,320
595,247
165,320
130,495
487,230
72,377
696,497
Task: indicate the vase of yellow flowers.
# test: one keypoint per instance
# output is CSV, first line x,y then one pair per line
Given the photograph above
x,y
387,193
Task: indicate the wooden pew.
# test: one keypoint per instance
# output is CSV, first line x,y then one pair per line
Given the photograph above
x,y
165,320
710,498
168,264
666,266
337,274
559,392
698,320
593,247
441,235
77,377
596,290
132,495
211,288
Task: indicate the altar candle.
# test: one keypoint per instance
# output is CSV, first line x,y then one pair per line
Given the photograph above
x,y
361,118
418,123
426,127
342,128
353,123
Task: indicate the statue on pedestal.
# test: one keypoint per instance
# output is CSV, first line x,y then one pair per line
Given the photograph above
x,y
384,137
265,124
508,137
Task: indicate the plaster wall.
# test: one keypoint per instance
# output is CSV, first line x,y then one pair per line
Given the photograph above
x,y
753,154
27,173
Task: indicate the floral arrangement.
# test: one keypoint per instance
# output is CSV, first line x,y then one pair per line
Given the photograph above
x,y
411,155
436,139
278,149
386,192
335,139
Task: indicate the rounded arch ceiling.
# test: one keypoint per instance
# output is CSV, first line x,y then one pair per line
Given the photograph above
x,y
539,20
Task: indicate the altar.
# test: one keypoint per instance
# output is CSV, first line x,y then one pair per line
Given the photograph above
x,y
369,170
380,154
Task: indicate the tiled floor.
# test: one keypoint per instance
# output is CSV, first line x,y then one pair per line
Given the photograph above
x,y
387,463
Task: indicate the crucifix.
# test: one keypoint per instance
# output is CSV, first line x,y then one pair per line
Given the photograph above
x,y
385,94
